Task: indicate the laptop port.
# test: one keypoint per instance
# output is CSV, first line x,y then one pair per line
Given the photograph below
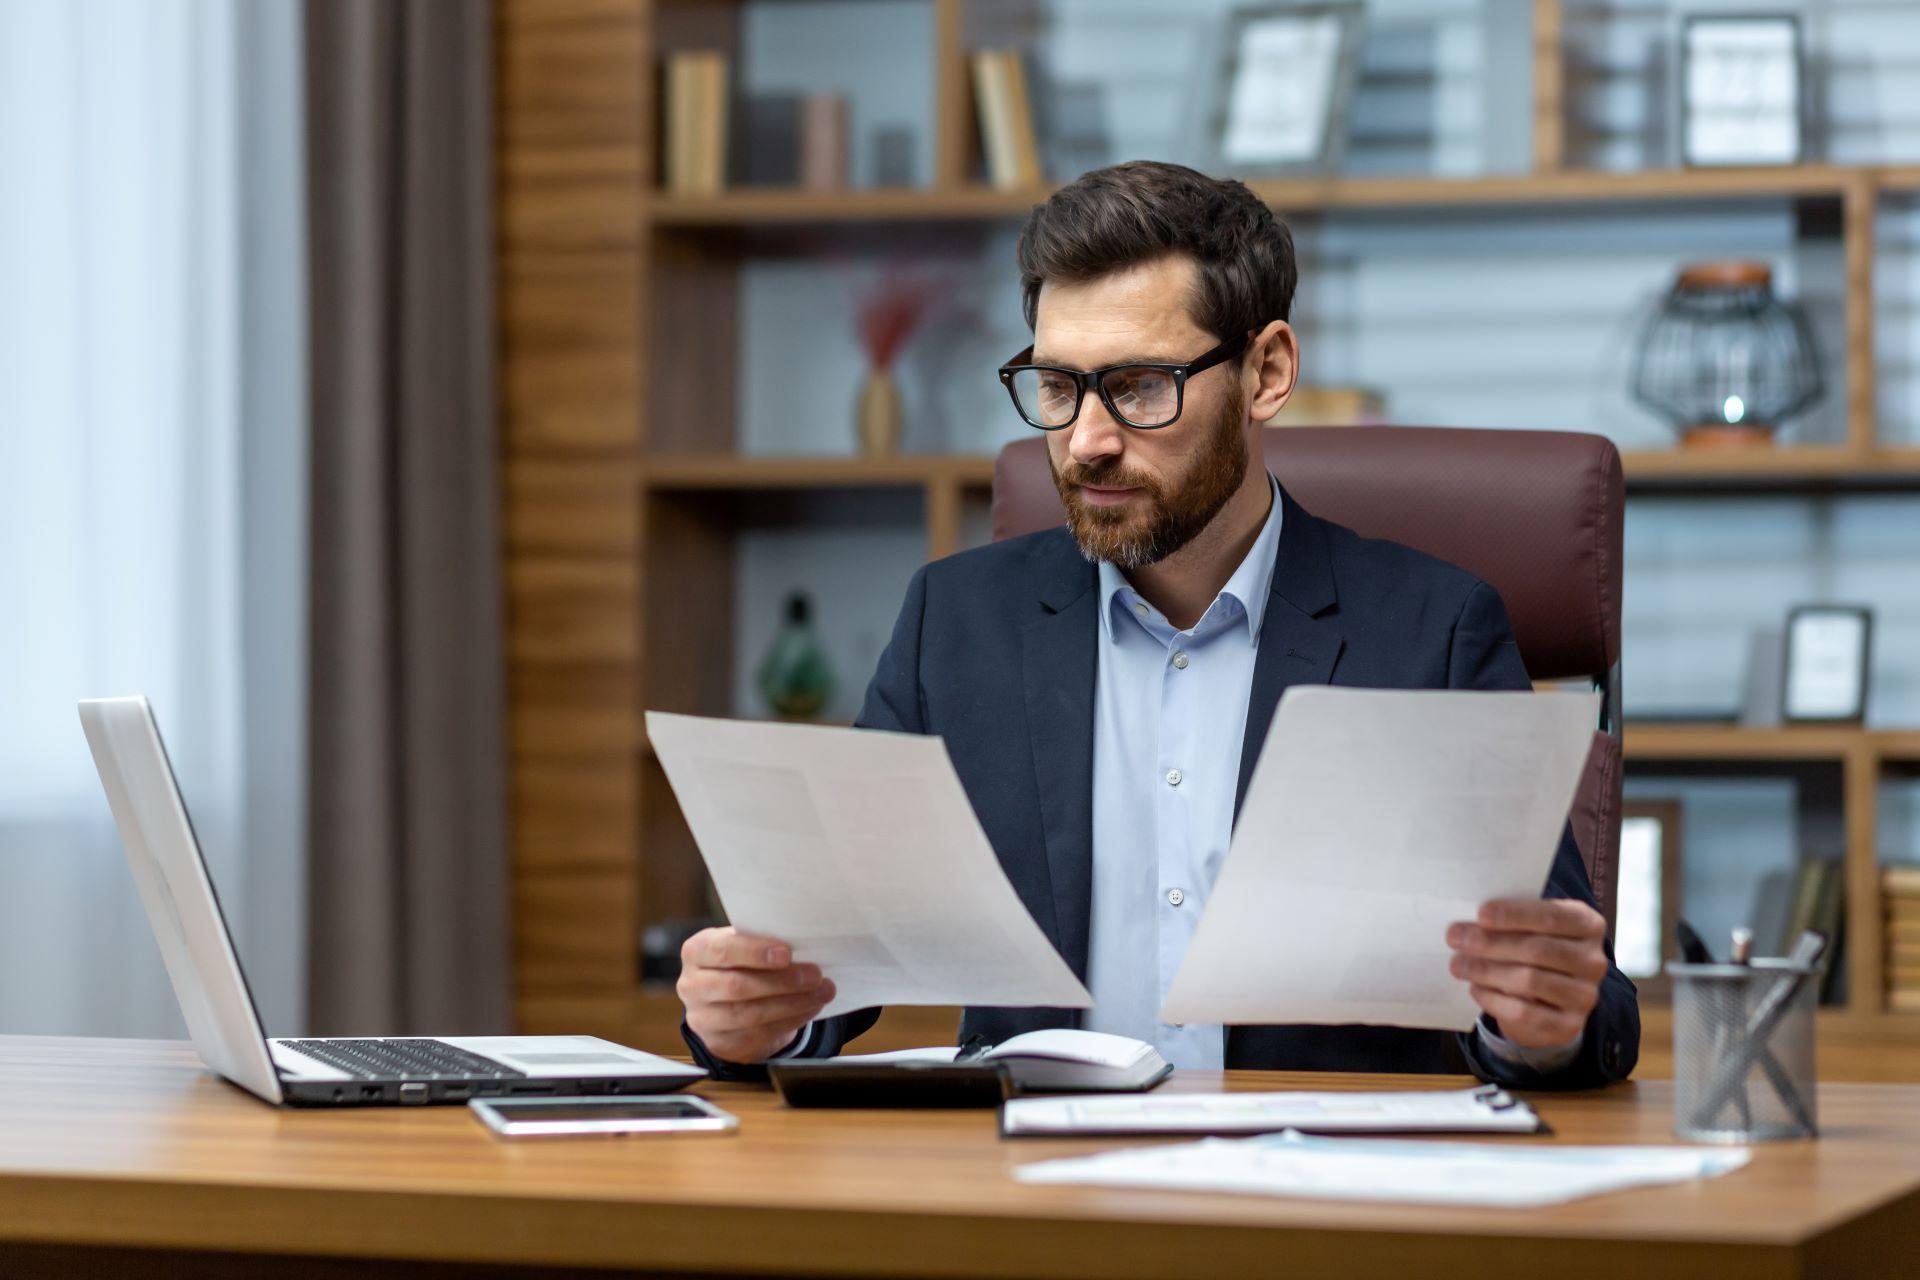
x,y
413,1092
369,1093
531,1088
458,1092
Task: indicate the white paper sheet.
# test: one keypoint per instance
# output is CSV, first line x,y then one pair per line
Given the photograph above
x,y
1457,1173
1422,1111
860,850
1374,819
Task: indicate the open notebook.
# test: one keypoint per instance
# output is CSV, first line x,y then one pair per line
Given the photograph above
x,y
1057,1060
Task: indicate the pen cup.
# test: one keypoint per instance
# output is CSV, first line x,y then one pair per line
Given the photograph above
x,y
1743,1050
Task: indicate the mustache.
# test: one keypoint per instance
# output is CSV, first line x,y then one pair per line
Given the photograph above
x,y
1106,475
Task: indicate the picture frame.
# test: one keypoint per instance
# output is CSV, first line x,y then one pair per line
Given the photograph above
x,y
1741,92
1647,904
1827,670
1281,78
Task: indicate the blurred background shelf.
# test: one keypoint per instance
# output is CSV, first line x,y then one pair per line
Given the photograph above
x,y
1300,195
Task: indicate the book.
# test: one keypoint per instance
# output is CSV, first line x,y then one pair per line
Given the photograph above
x,y
1025,135
1005,107
1904,1001
824,149
695,133
677,110
711,173
765,147
1056,1060
1818,902
1901,879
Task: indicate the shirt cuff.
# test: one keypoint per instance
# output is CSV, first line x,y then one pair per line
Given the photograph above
x,y
1545,1060
799,1045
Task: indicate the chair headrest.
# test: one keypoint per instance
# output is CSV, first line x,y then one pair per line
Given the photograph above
x,y
1537,514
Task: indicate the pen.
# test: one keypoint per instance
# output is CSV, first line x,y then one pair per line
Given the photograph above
x,y
1732,1072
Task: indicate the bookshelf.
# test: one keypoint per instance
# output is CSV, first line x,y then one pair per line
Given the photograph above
x,y
626,490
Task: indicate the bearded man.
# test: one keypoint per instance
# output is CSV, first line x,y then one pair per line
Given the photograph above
x,y
1103,688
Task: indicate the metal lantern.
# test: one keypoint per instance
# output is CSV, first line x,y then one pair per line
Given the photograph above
x,y
1724,360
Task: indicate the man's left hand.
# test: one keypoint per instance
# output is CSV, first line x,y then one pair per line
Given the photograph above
x,y
1533,964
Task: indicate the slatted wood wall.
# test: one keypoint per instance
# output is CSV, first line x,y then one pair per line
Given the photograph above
x,y
573,149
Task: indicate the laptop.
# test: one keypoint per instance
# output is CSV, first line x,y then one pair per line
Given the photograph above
x,y
219,1009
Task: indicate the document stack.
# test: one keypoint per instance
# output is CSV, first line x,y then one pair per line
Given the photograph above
x,y
1901,887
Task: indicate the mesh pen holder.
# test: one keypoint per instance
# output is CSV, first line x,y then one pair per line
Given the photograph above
x,y
1743,1040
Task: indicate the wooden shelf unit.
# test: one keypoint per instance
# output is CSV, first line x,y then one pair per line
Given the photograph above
x,y
755,206
619,469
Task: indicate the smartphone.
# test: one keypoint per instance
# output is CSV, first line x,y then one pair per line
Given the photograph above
x,y
557,1117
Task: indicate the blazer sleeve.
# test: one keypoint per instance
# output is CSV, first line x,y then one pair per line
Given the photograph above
x,y
893,702
1485,655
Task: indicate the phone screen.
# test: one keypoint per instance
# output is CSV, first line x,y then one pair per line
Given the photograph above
x,y
620,1109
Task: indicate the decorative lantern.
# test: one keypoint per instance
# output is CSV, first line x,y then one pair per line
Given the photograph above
x,y
1724,360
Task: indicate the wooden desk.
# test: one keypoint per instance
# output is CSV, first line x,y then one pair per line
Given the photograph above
x,y
112,1149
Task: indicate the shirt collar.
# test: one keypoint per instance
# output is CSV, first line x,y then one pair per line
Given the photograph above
x,y
1250,584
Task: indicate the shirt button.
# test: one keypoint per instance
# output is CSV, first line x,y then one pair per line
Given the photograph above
x,y
1180,661
1176,897
1173,777
1140,607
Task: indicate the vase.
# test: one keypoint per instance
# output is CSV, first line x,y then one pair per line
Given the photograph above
x,y
879,415
794,677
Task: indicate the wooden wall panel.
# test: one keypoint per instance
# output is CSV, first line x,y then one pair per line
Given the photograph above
x,y
573,148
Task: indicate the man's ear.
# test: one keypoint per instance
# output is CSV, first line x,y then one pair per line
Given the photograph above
x,y
1273,357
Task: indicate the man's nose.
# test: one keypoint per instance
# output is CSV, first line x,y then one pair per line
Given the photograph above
x,y
1095,436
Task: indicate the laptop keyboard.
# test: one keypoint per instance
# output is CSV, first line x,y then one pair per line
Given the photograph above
x,y
404,1059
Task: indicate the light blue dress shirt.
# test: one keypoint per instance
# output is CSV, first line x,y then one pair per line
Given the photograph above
x,y
1170,713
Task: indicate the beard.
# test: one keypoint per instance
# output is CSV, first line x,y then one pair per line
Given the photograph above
x,y
1176,510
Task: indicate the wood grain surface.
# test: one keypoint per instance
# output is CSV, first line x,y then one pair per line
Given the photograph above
x,y
132,1145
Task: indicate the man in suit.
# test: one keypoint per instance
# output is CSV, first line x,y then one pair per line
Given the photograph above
x,y
1103,689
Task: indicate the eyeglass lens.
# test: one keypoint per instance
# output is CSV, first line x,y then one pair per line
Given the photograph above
x,y
1142,396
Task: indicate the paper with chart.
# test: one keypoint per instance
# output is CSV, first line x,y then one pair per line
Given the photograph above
x,y
1374,819
1457,1173
860,850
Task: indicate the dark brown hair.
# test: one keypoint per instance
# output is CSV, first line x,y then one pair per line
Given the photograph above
x,y
1116,217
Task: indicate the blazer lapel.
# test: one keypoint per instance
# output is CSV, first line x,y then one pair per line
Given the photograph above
x,y
1059,653
1299,638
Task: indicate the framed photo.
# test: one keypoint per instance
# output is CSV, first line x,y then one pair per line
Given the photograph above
x,y
1281,82
1742,90
1647,906
1827,651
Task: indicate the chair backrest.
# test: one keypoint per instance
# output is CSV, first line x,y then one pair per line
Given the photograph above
x,y
1536,514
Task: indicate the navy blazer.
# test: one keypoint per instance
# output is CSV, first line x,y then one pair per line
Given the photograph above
x,y
995,651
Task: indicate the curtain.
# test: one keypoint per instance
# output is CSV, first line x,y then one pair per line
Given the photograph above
x,y
408,904
151,418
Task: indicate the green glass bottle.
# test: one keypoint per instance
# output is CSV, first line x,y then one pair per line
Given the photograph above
x,y
794,678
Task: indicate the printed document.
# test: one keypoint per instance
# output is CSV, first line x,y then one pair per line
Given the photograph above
x,y
1460,1173
1482,1110
859,849
1374,819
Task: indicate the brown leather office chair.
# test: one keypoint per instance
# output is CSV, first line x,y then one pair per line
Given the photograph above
x,y
1537,514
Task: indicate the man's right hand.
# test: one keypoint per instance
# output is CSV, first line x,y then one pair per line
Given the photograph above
x,y
746,999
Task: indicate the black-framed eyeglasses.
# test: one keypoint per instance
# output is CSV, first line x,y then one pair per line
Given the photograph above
x,y
1144,395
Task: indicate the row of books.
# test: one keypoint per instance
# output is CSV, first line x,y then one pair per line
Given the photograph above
x,y
802,141
1900,889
